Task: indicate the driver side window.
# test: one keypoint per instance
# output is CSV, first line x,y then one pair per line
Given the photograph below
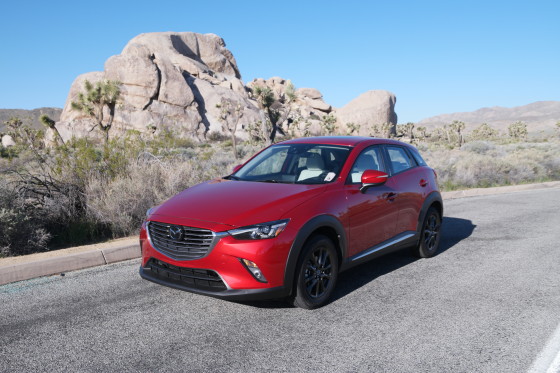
x,y
369,159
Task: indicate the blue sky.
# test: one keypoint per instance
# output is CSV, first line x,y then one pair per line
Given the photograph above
x,y
436,56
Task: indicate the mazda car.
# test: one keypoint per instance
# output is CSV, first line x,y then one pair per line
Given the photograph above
x,y
288,221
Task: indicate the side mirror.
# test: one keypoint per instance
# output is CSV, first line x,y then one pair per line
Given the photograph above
x,y
372,178
236,168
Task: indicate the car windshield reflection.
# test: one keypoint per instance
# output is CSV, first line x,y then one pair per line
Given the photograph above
x,y
295,164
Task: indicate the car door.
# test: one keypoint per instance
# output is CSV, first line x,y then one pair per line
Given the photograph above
x,y
372,216
411,182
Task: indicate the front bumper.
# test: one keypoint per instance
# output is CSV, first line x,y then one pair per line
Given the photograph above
x,y
149,274
221,273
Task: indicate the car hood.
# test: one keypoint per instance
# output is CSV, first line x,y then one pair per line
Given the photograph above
x,y
237,203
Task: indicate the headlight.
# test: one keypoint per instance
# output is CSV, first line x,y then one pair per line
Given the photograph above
x,y
260,231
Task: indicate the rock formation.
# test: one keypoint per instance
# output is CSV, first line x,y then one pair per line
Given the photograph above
x,y
176,80
368,109
169,80
7,141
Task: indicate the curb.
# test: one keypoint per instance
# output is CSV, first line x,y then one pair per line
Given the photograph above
x,y
102,256
498,190
69,262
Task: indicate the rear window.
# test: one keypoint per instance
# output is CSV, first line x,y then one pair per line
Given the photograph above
x,y
417,157
399,159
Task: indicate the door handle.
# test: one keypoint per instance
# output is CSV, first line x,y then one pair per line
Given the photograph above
x,y
390,196
423,183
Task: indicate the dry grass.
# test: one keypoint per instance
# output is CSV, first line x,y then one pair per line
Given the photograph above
x,y
485,164
94,193
121,202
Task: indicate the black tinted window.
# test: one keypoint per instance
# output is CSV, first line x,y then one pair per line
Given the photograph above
x,y
369,159
418,157
399,159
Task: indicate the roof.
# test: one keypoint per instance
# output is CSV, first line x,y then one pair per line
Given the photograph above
x,y
340,140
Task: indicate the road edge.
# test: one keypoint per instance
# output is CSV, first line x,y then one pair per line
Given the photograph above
x,y
103,256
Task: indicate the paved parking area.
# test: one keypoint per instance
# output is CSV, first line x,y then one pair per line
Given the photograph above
x,y
489,302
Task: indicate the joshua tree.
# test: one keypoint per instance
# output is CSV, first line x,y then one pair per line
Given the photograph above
x,y
408,130
49,123
517,130
24,134
458,127
388,130
558,127
382,130
15,124
352,127
423,133
230,114
277,110
439,133
329,124
483,132
93,101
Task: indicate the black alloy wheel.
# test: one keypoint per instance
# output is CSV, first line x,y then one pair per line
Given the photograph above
x,y
430,234
317,273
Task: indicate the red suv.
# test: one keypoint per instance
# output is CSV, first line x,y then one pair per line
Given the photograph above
x,y
289,220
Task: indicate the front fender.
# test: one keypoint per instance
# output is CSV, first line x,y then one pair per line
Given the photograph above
x,y
307,230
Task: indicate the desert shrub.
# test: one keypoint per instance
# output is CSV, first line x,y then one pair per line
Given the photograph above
x,y
166,140
121,202
483,132
21,228
484,164
84,191
517,130
216,136
478,147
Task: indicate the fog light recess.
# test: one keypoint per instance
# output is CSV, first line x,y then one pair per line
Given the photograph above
x,y
253,270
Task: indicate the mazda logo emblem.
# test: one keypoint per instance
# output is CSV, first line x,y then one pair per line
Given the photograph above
x,y
175,233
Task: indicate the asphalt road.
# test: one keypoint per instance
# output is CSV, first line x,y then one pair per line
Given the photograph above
x,y
487,303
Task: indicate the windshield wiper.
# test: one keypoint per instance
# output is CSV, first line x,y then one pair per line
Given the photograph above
x,y
231,177
268,181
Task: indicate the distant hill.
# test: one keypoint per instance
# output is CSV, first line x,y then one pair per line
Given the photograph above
x,y
29,116
539,116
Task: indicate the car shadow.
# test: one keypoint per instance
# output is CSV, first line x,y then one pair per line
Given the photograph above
x,y
453,231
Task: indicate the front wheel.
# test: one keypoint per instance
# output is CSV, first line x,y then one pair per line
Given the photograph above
x,y
316,273
429,235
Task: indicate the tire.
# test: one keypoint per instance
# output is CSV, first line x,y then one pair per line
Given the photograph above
x,y
317,273
430,234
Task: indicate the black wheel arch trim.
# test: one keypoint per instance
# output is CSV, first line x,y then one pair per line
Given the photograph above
x,y
316,223
434,197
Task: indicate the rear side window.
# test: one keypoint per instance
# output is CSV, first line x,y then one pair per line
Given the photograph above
x,y
399,159
369,159
418,157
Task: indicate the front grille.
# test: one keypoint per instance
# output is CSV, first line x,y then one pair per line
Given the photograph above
x,y
191,243
203,279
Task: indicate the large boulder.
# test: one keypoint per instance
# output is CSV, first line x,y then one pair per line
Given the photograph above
x,y
169,79
176,80
368,110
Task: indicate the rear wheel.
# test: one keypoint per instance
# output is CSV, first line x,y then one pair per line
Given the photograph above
x,y
429,235
316,273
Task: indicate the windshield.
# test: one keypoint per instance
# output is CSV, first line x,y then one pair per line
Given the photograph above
x,y
295,164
